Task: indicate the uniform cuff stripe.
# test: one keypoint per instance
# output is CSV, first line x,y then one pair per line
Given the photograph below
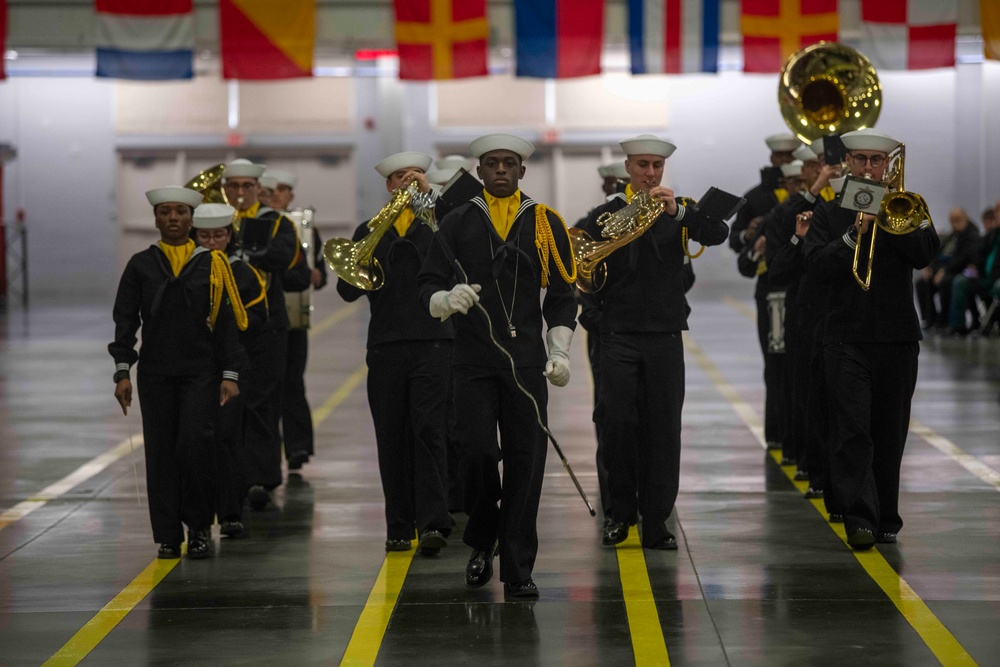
x,y
231,375
849,241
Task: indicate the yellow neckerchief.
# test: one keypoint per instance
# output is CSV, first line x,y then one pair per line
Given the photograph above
x,y
781,194
629,193
177,255
404,221
503,211
249,213
827,193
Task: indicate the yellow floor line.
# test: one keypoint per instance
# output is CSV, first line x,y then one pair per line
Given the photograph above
x,y
370,629
97,628
104,621
337,316
75,478
648,644
932,631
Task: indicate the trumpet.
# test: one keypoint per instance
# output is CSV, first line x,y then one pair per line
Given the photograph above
x,y
900,212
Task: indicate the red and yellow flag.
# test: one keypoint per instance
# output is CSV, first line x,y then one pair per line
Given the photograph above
x,y
441,39
264,39
775,29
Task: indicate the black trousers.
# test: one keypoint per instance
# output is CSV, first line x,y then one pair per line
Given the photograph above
x,y
263,409
871,385
594,353
178,427
296,417
230,471
640,403
775,412
808,403
407,395
502,510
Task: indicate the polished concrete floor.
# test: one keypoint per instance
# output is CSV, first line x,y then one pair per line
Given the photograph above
x,y
761,578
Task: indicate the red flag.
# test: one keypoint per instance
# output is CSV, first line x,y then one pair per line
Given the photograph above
x,y
441,39
264,39
775,29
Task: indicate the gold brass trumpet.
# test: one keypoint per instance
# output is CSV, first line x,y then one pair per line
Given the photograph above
x,y
355,262
620,228
900,212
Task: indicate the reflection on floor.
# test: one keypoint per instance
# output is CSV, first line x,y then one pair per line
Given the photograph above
x,y
760,578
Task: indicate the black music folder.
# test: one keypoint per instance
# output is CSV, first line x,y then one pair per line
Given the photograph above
x,y
462,187
718,205
255,234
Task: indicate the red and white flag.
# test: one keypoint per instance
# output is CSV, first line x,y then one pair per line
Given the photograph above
x,y
909,34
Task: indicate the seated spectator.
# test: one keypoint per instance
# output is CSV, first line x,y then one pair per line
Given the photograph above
x,y
980,279
958,250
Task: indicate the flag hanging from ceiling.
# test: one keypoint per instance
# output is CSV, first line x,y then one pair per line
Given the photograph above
x,y
909,34
989,12
144,39
266,39
673,36
558,38
441,39
775,29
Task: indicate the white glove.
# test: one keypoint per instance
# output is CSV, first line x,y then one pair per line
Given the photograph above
x,y
445,303
557,367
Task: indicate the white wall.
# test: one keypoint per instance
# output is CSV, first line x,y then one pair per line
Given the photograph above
x,y
65,174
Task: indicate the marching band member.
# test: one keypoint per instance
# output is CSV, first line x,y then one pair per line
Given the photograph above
x,y
296,416
189,365
263,400
509,248
409,363
871,346
213,230
745,233
642,313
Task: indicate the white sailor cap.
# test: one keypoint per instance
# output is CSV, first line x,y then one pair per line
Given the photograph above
x,y
804,153
268,181
174,193
817,147
647,144
441,176
617,169
404,160
603,172
452,162
281,177
793,168
213,216
497,142
782,143
242,168
869,139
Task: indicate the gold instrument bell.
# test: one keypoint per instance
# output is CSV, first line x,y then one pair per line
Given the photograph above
x,y
209,184
828,88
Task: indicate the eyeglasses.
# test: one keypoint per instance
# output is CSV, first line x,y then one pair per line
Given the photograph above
x,y
214,235
250,185
875,161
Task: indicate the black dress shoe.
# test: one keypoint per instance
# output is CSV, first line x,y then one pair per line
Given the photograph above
x,y
431,542
614,533
787,460
801,475
479,570
668,543
771,444
297,459
233,529
862,539
885,537
198,544
397,545
521,589
813,493
258,497
167,551
836,518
